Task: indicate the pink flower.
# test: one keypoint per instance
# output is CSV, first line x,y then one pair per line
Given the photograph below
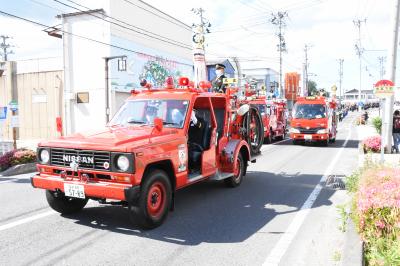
x,y
380,224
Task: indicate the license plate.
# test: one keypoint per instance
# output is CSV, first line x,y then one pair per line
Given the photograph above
x,y
74,191
308,137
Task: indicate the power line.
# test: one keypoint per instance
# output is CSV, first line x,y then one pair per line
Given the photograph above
x,y
84,37
5,47
131,27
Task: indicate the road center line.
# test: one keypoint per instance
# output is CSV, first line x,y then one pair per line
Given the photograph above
x,y
284,242
26,220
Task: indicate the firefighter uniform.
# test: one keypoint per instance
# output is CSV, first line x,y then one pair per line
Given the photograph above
x,y
218,82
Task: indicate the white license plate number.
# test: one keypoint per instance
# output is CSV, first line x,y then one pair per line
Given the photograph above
x,y
308,137
74,191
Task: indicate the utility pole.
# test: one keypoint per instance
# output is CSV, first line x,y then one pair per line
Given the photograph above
x,y
5,46
340,80
359,51
388,102
199,59
278,19
382,60
306,48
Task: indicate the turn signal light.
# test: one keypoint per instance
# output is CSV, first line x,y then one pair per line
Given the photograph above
x,y
121,178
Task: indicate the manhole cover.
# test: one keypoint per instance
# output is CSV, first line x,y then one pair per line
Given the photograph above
x,y
335,182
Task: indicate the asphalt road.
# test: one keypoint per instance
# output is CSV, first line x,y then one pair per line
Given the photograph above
x,y
283,213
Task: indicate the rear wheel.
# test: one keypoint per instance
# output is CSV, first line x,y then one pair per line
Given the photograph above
x,y
65,205
154,200
238,174
268,139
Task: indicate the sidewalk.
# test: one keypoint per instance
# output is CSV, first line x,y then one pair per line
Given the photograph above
x,y
368,130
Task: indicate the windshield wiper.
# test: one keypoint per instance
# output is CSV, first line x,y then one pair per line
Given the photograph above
x,y
170,123
133,121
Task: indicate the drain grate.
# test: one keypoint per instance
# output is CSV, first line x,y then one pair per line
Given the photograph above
x,y
335,182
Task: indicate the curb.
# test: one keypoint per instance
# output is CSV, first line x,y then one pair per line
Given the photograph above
x,y
353,248
20,169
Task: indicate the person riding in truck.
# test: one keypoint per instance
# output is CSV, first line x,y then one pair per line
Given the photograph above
x,y
218,82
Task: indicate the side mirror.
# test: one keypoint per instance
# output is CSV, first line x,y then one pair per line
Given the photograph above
x,y
158,124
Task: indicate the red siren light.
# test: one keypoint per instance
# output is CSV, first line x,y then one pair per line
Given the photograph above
x,y
183,81
169,82
205,85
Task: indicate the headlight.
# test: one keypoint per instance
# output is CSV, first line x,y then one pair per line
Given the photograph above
x,y
44,156
322,131
123,163
294,130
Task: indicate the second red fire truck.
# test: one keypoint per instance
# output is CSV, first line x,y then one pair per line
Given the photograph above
x,y
314,119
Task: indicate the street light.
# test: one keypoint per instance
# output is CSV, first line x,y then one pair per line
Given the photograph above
x,y
121,67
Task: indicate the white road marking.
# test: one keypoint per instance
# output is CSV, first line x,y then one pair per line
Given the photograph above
x,y
284,242
8,181
265,147
26,220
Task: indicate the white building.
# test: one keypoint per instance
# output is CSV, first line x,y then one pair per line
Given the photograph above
x,y
352,96
156,45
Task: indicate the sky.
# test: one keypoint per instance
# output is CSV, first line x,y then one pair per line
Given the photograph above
x,y
243,29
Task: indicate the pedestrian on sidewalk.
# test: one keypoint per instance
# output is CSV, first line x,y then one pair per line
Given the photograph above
x,y
396,130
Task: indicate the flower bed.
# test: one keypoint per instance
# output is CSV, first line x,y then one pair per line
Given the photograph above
x,y
376,212
372,144
16,157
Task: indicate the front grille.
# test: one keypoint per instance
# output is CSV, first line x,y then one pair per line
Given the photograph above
x,y
87,159
304,130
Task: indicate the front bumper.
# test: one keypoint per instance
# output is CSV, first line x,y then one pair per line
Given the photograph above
x,y
101,190
309,137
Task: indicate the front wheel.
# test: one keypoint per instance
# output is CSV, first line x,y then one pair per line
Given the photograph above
x,y
238,173
64,205
154,200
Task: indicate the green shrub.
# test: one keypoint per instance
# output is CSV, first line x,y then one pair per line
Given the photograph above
x,y
377,123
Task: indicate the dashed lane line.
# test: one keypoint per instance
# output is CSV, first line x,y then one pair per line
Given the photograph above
x,y
26,220
286,239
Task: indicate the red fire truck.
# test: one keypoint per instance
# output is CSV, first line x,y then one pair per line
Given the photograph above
x,y
273,113
314,119
161,140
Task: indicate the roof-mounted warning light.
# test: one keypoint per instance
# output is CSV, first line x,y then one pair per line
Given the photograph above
x,y
169,83
145,84
183,81
205,85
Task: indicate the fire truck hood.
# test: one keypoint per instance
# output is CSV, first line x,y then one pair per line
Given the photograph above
x,y
312,123
111,139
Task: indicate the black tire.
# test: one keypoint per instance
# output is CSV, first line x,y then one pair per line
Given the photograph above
x,y
282,137
254,115
64,205
324,143
151,210
236,179
268,139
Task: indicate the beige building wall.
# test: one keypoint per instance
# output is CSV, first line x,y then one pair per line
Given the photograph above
x,y
40,102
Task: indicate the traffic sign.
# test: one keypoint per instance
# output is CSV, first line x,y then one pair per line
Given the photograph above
x,y
3,113
13,105
384,88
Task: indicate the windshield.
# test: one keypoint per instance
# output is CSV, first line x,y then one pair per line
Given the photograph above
x,y
143,112
309,111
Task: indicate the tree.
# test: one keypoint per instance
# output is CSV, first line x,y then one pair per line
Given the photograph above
x,y
312,88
